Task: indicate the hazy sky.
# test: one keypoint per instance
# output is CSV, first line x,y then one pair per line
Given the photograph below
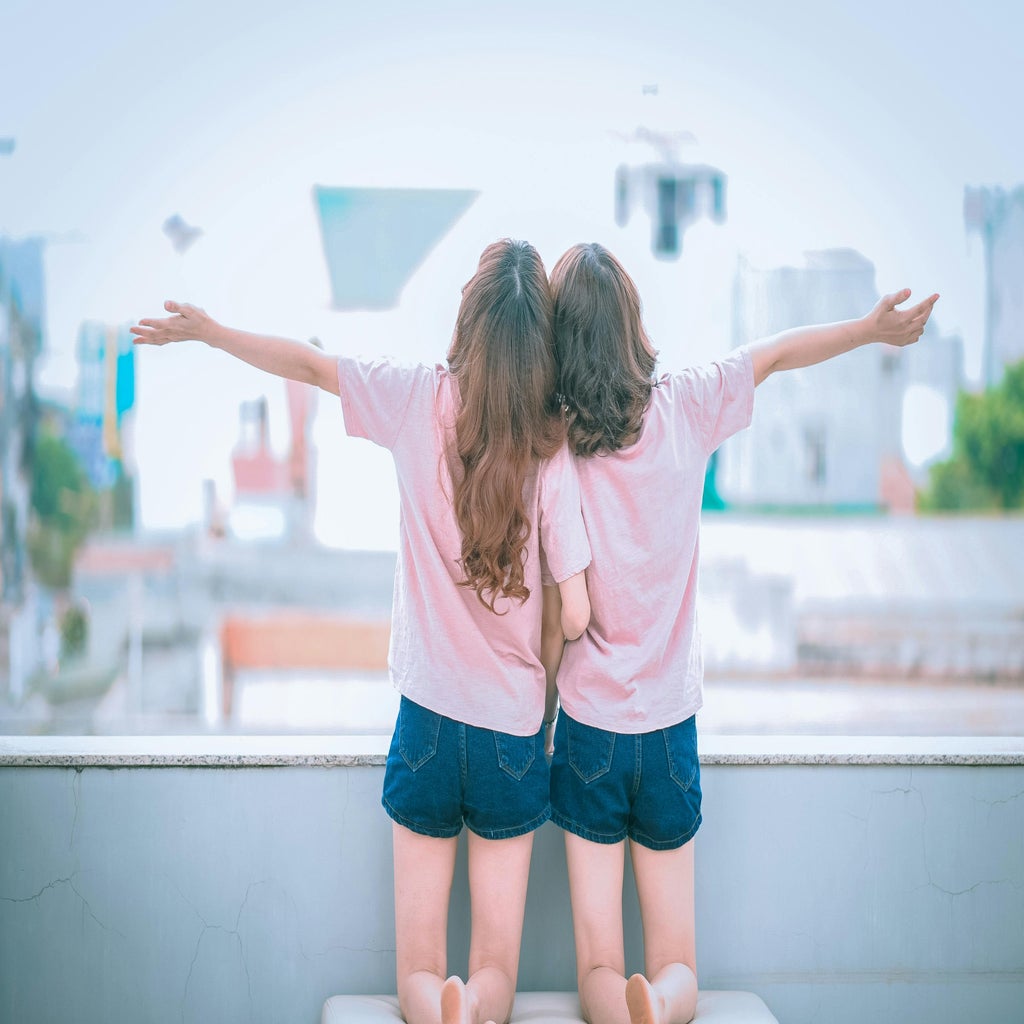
x,y
838,125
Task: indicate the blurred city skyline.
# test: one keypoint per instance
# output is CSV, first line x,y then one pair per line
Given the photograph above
x,y
836,128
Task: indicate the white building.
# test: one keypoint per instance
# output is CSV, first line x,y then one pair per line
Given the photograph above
x,y
832,435
998,216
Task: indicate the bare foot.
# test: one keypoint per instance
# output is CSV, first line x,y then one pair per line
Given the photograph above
x,y
455,1002
641,1001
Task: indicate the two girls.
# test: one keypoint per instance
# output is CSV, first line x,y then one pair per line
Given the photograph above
x,y
625,763
491,510
489,507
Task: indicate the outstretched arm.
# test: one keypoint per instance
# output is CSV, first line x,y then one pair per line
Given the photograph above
x,y
296,360
805,346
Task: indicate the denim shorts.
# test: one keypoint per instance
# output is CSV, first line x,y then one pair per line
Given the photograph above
x,y
606,786
442,774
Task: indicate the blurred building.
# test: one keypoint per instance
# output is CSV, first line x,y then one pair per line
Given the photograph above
x,y
21,339
886,596
829,436
186,623
998,216
100,429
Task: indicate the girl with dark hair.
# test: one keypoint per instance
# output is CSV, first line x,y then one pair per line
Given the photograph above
x,y
625,762
490,516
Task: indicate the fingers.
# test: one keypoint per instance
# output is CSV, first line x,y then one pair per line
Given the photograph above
x,y
155,332
893,300
151,331
903,326
913,331
918,317
923,308
143,335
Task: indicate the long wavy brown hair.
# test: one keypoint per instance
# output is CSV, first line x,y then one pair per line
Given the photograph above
x,y
605,359
502,357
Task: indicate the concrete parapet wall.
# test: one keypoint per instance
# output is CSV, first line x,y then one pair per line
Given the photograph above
x,y
841,879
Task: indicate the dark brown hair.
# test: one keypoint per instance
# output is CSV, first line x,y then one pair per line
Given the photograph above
x,y
502,356
605,359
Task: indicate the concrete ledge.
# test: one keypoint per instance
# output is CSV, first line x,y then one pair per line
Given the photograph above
x,y
193,751
836,892
551,1008
371,750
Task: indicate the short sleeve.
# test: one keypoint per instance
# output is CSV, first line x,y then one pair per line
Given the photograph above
x,y
375,396
719,397
564,546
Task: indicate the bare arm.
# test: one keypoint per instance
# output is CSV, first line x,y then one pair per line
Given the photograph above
x,y
805,346
296,360
565,615
552,643
575,610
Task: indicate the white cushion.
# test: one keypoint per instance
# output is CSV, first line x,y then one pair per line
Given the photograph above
x,y
551,1008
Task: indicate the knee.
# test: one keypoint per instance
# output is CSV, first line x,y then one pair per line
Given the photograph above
x,y
681,967
411,973
495,962
595,968
600,960
595,981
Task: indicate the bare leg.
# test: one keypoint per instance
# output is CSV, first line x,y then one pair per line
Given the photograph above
x,y
499,870
595,886
424,867
664,884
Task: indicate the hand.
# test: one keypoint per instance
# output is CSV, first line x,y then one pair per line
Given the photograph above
x,y
549,740
899,326
186,323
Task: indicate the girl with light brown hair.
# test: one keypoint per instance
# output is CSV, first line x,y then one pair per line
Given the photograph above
x,y
625,762
490,514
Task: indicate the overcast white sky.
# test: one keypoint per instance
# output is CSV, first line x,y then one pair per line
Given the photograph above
x,y
838,125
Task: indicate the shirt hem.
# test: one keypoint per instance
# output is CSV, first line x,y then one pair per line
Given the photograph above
x,y
648,724
562,577
426,699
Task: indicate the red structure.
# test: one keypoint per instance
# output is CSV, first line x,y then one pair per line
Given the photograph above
x,y
263,480
293,638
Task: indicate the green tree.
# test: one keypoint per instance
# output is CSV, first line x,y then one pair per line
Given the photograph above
x,y
64,510
74,632
987,467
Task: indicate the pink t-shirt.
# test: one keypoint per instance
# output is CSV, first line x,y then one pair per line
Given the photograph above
x,y
639,666
448,652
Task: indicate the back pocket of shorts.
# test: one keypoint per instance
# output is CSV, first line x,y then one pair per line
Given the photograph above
x,y
590,750
681,749
516,754
418,728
